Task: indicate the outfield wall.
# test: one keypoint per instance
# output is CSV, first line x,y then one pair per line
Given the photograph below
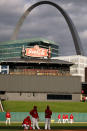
x,y
26,87
19,116
39,97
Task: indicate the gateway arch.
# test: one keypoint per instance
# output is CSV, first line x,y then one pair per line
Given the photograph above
x,y
74,33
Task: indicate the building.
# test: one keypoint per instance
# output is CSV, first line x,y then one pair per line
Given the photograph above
x,y
79,65
79,68
13,49
30,74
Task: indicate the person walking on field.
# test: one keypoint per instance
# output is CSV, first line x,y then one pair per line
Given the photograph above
x,y
8,117
35,117
59,118
71,118
48,114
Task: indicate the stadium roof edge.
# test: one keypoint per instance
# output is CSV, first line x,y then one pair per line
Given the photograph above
x,y
35,60
27,40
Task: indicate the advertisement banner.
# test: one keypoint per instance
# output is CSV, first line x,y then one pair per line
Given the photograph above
x,y
36,52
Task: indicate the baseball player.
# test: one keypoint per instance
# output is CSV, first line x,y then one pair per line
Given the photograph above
x,y
63,118
59,118
48,114
66,118
27,123
35,117
8,117
71,118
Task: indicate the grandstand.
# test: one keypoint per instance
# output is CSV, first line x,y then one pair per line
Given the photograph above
x,y
27,72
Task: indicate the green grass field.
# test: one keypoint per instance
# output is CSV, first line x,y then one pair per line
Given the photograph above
x,y
17,126
23,106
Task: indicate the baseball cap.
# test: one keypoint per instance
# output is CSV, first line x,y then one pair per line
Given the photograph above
x,y
35,107
28,117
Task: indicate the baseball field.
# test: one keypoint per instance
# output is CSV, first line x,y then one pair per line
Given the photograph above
x,y
26,106
22,106
62,127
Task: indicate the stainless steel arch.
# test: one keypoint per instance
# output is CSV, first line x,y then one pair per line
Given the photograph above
x,y
76,39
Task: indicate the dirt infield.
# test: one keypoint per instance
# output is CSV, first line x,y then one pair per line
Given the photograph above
x,y
66,130
53,128
18,129
13,129
43,130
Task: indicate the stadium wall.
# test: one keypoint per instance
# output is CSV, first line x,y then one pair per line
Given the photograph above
x,y
39,96
43,88
19,116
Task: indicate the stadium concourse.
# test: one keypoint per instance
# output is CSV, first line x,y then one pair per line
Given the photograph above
x,y
28,72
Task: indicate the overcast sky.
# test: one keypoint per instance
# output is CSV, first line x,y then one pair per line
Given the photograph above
x,y
45,21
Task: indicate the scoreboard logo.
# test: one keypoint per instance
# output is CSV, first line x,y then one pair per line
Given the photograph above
x,y
36,52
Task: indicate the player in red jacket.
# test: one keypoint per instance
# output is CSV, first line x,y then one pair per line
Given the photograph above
x,y
35,117
8,117
66,118
27,123
63,118
71,118
48,114
59,118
